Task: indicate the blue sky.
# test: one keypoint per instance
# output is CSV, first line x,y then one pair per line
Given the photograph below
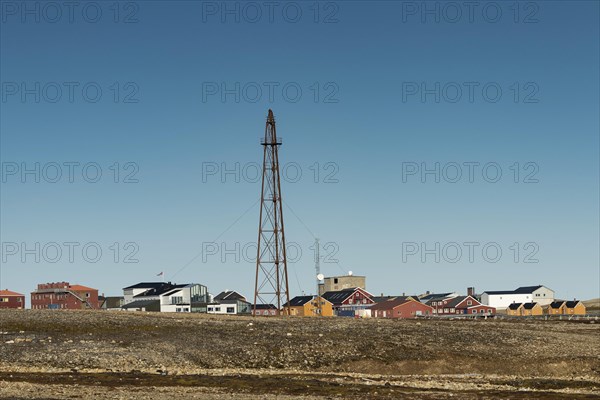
x,y
363,93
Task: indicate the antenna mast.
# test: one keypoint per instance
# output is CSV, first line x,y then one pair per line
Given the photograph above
x,y
320,277
271,284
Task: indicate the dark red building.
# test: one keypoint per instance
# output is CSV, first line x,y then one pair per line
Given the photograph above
x,y
10,299
64,296
349,302
401,307
460,305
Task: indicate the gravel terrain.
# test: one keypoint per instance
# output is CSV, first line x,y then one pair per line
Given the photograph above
x,y
48,354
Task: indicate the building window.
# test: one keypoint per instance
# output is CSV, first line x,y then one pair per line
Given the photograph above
x,y
335,280
230,310
469,302
217,309
87,295
474,312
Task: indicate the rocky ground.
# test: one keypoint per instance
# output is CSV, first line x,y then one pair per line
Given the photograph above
x,y
117,355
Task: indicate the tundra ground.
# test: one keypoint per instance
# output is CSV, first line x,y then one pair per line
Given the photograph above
x,y
48,354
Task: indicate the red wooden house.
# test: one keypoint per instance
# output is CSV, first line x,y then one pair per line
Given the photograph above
x,y
401,307
349,302
460,305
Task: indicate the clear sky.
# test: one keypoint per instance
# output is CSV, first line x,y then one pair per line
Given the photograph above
x,y
396,119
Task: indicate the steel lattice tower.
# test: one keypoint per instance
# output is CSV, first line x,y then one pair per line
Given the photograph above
x,y
271,286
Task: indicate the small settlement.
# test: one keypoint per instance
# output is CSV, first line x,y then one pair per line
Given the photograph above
x,y
338,296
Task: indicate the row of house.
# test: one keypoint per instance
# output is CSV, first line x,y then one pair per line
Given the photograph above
x,y
559,307
143,296
338,296
357,302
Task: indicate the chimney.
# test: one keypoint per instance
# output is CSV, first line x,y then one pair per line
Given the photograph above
x,y
471,291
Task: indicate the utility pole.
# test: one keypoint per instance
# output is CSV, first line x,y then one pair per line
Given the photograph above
x,y
318,276
271,284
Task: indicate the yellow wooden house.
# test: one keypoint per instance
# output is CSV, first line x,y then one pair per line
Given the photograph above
x,y
575,307
531,309
561,307
524,309
514,309
309,306
557,307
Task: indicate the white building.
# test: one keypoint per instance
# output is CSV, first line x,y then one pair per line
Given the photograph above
x,y
130,292
229,302
184,298
165,297
525,294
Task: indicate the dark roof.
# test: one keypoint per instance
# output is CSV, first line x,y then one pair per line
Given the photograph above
x,y
557,304
379,299
229,295
177,288
434,296
453,302
514,306
435,299
265,307
499,292
338,296
145,285
527,289
159,290
521,290
390,304
572,304
529,306
141,303
299,301
232,301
